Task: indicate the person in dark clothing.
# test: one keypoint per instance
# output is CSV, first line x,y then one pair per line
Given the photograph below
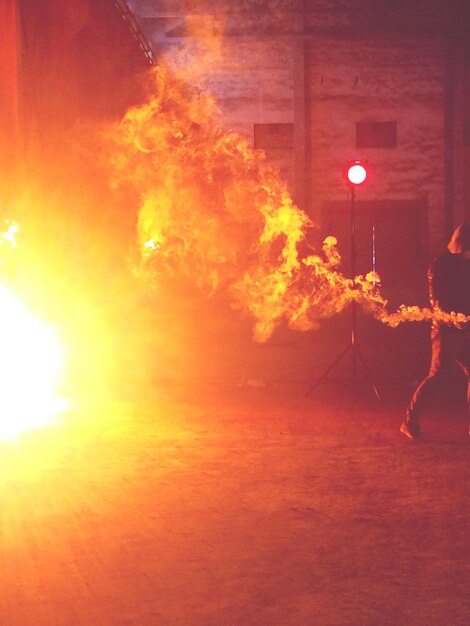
x,y
449,290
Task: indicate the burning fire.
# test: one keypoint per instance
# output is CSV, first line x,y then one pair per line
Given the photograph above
x,y
31,361
9,236
212,208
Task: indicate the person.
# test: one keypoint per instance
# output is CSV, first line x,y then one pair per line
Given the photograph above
x,y
449,290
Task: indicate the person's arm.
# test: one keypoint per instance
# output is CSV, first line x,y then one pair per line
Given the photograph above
x,y
437,283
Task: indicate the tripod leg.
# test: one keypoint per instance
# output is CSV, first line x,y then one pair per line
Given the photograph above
x,y
320,380
365,366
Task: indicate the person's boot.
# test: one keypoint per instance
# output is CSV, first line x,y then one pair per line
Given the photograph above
x,y
410,428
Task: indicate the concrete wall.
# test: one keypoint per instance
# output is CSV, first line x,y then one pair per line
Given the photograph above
x,y
362,61
466,160
78,61
9,96
379,80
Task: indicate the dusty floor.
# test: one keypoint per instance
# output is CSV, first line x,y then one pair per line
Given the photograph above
x,y
243,506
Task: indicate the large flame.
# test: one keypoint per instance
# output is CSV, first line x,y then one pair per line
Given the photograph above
x,y
31,359
212,208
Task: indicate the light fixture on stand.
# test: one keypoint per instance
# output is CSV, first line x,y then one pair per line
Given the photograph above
x,y
355,174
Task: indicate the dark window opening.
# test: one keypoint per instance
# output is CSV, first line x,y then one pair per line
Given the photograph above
x,y
273,136
376,134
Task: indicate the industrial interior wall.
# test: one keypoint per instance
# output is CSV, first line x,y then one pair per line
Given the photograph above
x,y
466,141
79,71
252,82
385,79
79,63
365,62
9,103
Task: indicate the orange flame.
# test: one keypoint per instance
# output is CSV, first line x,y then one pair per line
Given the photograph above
x,y
416,314
212,208
31,358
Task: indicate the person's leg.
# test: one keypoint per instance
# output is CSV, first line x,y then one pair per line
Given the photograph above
x,y
425,389
468,399
422,395
463,359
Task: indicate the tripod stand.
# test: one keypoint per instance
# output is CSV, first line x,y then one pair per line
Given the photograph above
x,y
353,345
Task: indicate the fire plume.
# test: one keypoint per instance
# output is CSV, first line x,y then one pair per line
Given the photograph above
x,y
31,359
211,208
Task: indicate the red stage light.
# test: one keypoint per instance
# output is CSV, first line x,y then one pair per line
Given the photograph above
x,y
356,173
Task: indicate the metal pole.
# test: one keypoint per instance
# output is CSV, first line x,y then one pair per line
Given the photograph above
x,y
353,272
356,354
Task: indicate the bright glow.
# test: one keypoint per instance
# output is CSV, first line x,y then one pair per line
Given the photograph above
x,y
357,174
31,360
151,245
10,234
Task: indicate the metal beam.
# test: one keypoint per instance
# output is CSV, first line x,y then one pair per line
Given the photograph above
x,y
135,30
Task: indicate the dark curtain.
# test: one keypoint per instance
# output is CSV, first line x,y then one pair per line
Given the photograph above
x,y
9,101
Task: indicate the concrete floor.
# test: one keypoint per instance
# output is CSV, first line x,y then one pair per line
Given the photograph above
x,y
241,505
